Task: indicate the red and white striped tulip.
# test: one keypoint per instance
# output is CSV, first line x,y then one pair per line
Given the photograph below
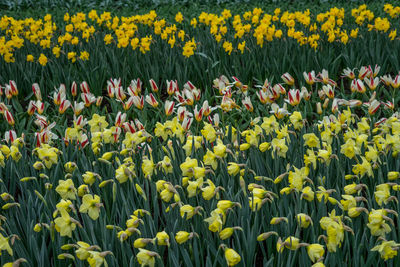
x,y
262,96
371,82
294,97
85,87
387,80
135,88
151,100
13,87
189,85
169,107
120,94
9,117
396,82
279,112
36,91
129,127
110,90
329,91
120,119
310,77
349,73
138,101
206,108
198,114
84,141
172,87
31,108
39,106
354,103
187,122
247,104
305,94
139,125
10,136
65,104
128,104
78,107
197,94
80,121
88,99
389,105
115,82
74,89
364,72
180,98
288,79
153,86
181,113
3,107
373,106
359,86
189,97
8,92
335,106
376,70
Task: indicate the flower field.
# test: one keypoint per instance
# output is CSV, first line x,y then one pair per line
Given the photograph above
x,y
235,138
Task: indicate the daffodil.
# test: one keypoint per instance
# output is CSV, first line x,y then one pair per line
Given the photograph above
x,y
66,189
91,205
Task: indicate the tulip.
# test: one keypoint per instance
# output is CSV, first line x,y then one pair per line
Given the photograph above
x,y
120,119
198,114
187,122
189,97
371,82
135,87
78,107
396,82
262,96
310,77
88,99
288,79
151,100
138,101
129,127
153,86
13,86
171,87
128,104
294,97
329,91
349,73
65,104
9,117
36,91
85,87
247,103
10,136
373,106
74,89
110,90
364,72
31,107
120,94
169,107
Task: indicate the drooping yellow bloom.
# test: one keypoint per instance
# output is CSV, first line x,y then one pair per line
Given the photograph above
x,y
4,245
315,252
66,189
91,205
232,257
387,249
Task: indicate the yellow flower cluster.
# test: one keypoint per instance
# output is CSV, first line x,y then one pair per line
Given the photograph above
x,y
231,30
